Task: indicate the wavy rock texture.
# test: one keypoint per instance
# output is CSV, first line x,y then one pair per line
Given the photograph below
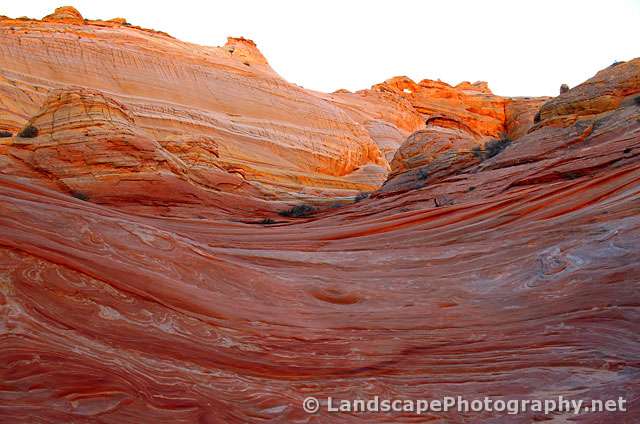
x,y
388,117
335,145
138,283
472,104
442,141
65,14
607,90
88,145
458,120
520,112
173,88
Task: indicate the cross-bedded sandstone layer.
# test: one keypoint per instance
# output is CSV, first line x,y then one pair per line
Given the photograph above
x,y
139,282
286,141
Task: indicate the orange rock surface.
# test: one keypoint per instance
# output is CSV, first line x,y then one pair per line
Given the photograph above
x,y
472,104
145,276
444,140
65,14
173,88
336,144
457,119
607,90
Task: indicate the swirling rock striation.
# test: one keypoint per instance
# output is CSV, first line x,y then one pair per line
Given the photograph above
x,y
176,89
140,281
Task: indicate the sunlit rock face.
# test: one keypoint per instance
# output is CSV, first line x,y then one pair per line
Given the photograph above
x,y
172,88
472,104
459,122
387,116
444,140
145,276
65,14
88,145
609,89
334,145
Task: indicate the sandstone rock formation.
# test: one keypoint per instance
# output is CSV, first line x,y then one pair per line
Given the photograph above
x,y
388,117
335,145
443,141
145,275
607,90
88,145
472,104
520,113
173,88
65,14
457,119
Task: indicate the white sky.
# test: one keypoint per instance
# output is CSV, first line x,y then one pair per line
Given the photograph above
x,y
519,47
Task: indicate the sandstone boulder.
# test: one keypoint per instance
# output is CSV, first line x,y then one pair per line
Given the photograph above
x,y
65,14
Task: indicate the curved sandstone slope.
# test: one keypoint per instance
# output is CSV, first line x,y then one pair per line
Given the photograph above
x,y
112,318
473,105
287,141
554,146
608,89
548,153
458,121
388,117
516,278
266,129
396,108
89,145
442,142
520,113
